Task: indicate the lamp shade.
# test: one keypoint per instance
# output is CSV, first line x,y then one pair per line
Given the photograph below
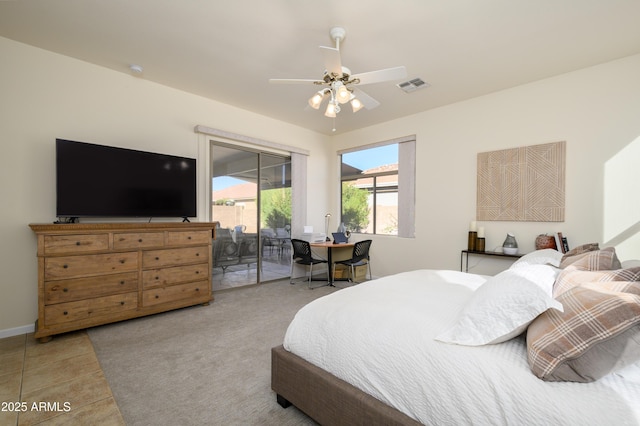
x,y
356,105
316,100
331,110
342,93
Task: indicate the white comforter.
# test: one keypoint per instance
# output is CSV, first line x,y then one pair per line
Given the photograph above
x,y
379,336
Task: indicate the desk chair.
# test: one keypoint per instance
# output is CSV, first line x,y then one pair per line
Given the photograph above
x,y
302,256
359,257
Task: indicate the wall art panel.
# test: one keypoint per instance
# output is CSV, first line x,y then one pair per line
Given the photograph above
x,y
522,184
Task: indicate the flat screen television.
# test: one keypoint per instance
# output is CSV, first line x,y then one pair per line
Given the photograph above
x,y
104,181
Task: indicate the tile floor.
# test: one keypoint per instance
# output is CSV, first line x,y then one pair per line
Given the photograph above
x,y
54,383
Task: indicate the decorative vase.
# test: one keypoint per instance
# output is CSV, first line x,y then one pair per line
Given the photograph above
x,y
545,242
510,245
471,245
480,244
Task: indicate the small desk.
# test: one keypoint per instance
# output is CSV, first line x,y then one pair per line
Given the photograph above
x,y
484,253
330,246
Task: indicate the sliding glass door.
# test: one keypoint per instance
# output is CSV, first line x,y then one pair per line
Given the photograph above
x,y
251,199
275,216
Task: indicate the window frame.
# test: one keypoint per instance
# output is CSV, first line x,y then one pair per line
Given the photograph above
x,y
406,183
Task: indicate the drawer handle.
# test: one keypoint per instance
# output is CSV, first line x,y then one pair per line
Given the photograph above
x,y
77,243
197,289
65,290
189,237
197,272
122,261
121,303
157,278
157,297
157,258
65,266
122,282
65,313
140,240
197,254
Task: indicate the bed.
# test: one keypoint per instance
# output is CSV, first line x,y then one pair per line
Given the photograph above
x,y
447,347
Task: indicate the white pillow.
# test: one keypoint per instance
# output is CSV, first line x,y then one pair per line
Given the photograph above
x,y
504,306
633,263
539,257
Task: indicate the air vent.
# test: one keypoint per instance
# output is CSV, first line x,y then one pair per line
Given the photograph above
x,y
413,85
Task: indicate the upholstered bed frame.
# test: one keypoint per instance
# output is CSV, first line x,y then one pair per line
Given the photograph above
x,y
325,398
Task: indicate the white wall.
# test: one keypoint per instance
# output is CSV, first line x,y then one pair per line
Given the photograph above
x,y
44,95
595,110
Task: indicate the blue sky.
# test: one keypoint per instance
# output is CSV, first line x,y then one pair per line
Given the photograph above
x,y
363,160
223,182
374,157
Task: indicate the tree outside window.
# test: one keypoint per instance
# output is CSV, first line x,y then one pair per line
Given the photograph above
x,y
370,190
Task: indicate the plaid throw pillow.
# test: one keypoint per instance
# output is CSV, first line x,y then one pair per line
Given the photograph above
x,y
577,253
598,332
598,260
570,278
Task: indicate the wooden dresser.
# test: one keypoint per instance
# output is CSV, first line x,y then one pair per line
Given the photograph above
x,y
93,274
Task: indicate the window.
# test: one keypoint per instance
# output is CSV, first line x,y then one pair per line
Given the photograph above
x,y
375,180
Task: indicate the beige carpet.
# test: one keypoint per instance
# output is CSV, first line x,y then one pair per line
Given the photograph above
x,y
205,365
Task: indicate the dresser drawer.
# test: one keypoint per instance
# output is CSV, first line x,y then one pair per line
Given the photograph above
x,y
80,243
177,256
188,237
134,240
91,287
80,310
175,293
56,268
174,275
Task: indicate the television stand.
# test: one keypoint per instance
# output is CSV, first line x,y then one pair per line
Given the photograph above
x,y
91,274
185,219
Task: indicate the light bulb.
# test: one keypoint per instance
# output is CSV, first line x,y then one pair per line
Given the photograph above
x,y
331,110
356,105
343,94
316,100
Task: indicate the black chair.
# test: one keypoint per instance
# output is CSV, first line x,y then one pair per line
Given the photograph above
x,y
359,257
302,256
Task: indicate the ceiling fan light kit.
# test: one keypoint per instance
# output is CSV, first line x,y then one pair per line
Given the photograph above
x,y
340,84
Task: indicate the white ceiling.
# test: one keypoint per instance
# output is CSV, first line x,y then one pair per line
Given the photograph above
x,y
228,50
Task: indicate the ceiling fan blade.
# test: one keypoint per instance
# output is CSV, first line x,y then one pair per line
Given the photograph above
x,y
293,81
332,61
367,101
381,75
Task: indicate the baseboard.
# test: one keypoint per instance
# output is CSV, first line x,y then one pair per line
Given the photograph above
x,y
10,332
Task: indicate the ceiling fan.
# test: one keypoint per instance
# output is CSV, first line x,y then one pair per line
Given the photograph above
x,y
338,85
